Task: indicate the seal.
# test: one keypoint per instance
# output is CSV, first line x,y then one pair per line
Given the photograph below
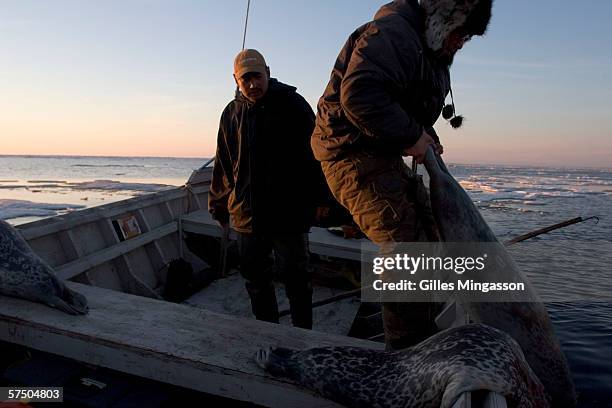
x,y
433,373
459,220
24,275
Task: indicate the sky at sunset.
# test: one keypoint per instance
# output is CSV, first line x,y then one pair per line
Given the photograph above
x,y
151,77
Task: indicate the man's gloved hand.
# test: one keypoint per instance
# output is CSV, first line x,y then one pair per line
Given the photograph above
x,y
220,214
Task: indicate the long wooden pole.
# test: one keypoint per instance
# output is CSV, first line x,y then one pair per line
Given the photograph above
x,y
545,230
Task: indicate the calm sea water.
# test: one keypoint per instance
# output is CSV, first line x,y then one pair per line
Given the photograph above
x,y
569,267
34,187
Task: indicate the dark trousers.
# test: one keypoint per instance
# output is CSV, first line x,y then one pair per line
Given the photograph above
x,y
291,259
390,204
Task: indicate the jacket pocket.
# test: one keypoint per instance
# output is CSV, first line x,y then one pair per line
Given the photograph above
x,y
387,189
370,166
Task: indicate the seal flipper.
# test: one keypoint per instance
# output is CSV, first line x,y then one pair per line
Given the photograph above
x,y
278,361
71,302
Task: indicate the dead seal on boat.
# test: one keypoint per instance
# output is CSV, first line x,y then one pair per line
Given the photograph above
x,y
528,323
24,275
433,373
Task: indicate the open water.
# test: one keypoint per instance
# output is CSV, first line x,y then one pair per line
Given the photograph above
x,y
571,267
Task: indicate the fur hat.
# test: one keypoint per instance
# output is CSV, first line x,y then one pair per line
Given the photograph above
x,y
444,16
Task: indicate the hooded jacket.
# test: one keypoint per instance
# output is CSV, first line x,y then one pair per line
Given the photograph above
x,y
265,175
386,86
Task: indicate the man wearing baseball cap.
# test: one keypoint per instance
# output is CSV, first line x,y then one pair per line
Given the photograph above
x,y
266,180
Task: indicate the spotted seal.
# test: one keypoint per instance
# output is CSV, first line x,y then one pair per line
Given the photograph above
x,y
527,322
24,275
433,373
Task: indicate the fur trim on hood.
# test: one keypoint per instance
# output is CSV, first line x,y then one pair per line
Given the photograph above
x,y
444,16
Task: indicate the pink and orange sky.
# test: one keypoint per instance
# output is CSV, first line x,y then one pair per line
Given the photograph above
x,y
151,77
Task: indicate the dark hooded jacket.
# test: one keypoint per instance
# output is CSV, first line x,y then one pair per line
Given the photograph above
x,y
265,174
385,88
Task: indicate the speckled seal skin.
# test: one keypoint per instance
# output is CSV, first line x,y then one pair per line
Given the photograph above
x,y
24,275
528,323
433,373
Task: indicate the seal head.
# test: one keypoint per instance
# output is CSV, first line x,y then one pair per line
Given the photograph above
x,y
24,275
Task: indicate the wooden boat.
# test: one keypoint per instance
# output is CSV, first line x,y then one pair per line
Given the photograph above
x,y
117,255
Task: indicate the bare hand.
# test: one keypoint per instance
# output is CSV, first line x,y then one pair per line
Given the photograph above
x,y
420,147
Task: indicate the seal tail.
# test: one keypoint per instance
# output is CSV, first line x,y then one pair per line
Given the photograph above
x,y
434,163
71,302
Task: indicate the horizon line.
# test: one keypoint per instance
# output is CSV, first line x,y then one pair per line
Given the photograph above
x,y
208,158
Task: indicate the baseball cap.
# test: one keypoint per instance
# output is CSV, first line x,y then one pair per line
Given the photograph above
x,y
249,60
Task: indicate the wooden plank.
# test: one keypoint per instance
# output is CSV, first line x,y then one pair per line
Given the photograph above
x,y
167,342
156,215
464,401
69,243
130,282
452,315
52,225
179,207
321,241
154,251
491,400
447,317
74,268
494,400
105,276
169,210
202,175
193,196
126,274
74,251
201,222
50,249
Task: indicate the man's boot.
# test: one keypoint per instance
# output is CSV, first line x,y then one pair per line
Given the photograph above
x,y
301,311
263,303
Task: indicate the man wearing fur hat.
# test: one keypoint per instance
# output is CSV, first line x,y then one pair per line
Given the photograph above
x,y
386,91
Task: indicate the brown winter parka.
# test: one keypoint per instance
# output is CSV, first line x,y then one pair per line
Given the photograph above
x,y
385,89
